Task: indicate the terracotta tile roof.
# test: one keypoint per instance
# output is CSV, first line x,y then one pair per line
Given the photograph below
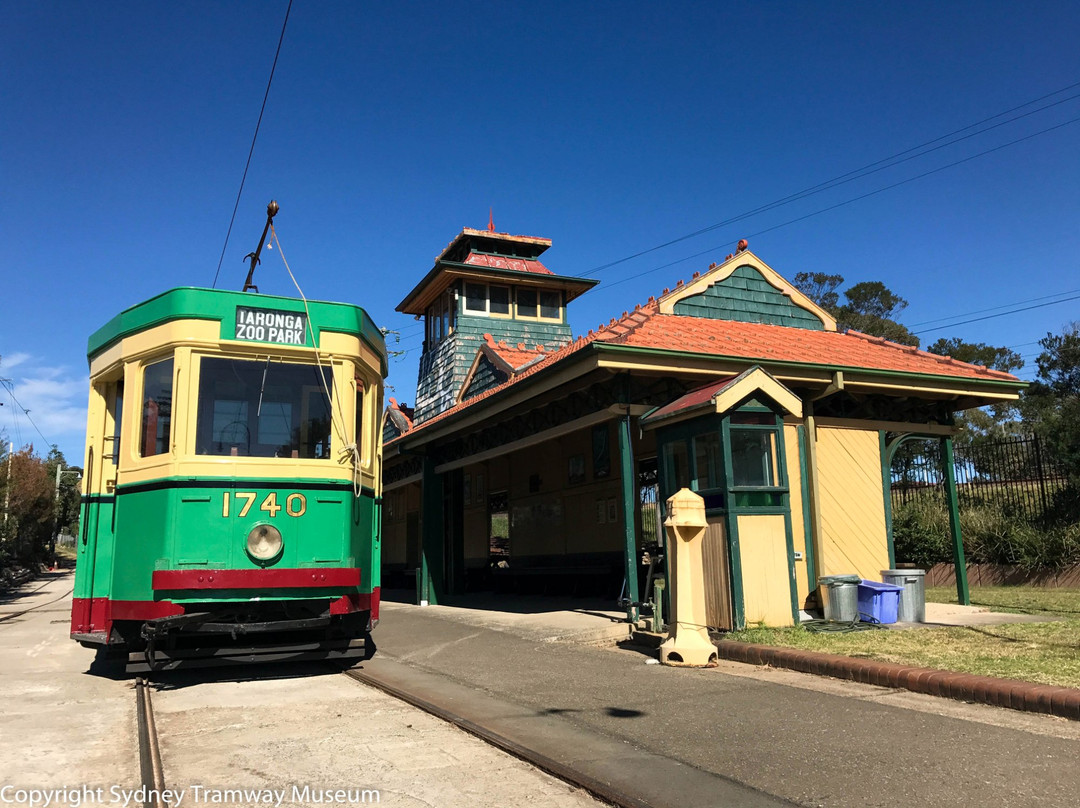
x,y
502,262
774,343
517,356
646,327
695,398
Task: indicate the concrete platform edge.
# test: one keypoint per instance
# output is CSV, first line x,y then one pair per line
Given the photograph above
x,y
1012,693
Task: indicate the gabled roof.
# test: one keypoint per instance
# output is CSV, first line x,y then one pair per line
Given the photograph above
x,y
718,274
648,329
724,394
507,359
514,357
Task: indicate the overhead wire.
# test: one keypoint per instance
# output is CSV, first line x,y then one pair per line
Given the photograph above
x,y
999,314
858,173
11,392
251,151
995,308
859,198
337,416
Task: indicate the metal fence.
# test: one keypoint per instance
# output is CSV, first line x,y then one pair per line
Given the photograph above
x,y
1017,475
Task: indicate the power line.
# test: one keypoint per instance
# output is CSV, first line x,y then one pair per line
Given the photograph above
x,y
251,151
858,173
995,308
11,392
867,195
1000,314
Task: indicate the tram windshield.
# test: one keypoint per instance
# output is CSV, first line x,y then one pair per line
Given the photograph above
x,y
263,408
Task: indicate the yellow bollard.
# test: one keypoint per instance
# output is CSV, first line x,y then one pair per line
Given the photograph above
x,y
688,642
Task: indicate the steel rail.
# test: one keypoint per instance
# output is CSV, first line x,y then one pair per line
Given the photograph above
x,y
152,774
601,790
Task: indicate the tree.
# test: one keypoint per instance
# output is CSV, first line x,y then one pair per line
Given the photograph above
x,y
996,421
34,510
870,306
978,353
1051,406
821,288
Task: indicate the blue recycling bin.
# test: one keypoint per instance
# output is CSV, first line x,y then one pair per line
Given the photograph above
x,y
879,603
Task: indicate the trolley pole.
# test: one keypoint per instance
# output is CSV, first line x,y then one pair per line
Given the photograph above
x,y
271,212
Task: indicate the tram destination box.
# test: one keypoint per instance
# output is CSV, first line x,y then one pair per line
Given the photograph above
x,y
270,325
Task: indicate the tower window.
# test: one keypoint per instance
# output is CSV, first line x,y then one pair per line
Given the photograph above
x,y
526,302
475,297
550,305
500,299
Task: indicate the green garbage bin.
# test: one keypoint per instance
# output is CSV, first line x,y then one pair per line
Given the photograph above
x,y
913,598
840,597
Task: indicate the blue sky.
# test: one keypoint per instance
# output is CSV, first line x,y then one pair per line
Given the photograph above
x,y
607,127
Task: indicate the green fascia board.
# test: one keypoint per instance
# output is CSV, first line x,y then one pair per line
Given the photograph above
x,y
900,374
193,303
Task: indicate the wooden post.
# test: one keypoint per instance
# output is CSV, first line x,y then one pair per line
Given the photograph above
x,y
431,535
963,596
629,501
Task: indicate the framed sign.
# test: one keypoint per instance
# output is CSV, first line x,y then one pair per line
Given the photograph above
x,y
271,325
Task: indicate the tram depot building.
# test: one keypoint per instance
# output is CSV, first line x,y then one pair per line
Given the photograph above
x,y
534,461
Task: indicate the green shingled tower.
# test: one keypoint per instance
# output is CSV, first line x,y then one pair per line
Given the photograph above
x,y
485,282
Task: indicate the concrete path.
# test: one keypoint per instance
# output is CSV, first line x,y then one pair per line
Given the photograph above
x,y
952,614
810,741
244,729
59,725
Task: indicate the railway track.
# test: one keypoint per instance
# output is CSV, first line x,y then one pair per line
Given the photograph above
x,y
152,778
151,773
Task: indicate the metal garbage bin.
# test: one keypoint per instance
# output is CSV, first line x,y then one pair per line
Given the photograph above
x,y
840,597
913,598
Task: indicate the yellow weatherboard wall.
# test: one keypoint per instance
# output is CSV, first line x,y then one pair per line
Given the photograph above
x,y
852,508
766,587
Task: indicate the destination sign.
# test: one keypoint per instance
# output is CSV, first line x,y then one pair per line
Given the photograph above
x,y
268,325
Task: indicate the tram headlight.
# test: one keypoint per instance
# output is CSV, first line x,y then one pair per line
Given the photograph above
x,y
264,543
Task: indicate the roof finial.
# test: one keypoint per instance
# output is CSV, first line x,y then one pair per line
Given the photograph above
x,y
491,220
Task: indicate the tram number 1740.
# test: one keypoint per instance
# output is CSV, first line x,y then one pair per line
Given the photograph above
x,y
295,504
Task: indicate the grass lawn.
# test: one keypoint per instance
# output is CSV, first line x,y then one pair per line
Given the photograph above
x,y
1048,653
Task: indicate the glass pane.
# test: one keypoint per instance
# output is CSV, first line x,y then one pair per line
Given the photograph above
x,y
676,468
475,297
358,426
118,418
157,408
526,302
708,460
250,408
549,305
500,299
753,457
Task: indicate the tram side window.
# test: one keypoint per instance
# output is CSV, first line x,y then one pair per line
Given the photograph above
x,y
156,408
250,408
358,426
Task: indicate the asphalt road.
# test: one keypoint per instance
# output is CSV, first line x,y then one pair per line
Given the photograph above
x,y
809,741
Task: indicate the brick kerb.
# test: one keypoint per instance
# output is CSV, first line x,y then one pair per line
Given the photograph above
x,y
1011,693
